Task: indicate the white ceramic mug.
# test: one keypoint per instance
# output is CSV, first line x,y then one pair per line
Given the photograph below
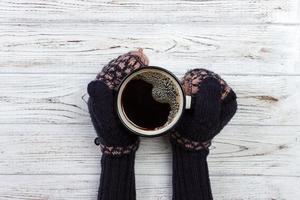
x,y
150,101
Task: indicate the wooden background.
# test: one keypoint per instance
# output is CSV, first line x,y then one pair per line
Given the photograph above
x,y
50,50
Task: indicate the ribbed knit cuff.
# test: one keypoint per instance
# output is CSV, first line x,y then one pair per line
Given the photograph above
x,y
190,174
117,177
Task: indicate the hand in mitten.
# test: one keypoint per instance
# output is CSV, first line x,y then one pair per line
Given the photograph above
x,y
213,106
118,145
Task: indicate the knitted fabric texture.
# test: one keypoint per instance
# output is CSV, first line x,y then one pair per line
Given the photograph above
x,y
190,175
111,133
214,106
193,78
117,151
118,145
116,70
109,129
189,144
117,181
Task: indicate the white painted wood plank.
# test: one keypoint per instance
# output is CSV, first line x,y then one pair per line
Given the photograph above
x,y
148,187
42,98
46,138
85,47
69,149
149,12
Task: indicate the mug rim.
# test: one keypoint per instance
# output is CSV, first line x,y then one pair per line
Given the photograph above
x,y
135,71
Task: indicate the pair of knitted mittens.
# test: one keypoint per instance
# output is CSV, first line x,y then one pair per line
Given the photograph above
x,y
214,106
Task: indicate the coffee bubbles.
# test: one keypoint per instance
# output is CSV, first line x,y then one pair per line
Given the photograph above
x,y
163,91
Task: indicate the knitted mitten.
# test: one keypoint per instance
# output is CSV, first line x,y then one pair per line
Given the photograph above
x,y
117,144
213,106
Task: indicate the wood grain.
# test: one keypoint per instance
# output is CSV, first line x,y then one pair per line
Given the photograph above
x,y
50,50
86,47
69,149
58,99
61,187
149,12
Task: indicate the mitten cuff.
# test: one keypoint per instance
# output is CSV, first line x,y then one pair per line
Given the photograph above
x,y
117,180
190,175
117,150
187,144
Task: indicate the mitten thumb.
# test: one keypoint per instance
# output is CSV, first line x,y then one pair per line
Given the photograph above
x,y
99,90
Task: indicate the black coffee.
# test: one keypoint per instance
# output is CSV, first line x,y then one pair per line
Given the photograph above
x,y
141,108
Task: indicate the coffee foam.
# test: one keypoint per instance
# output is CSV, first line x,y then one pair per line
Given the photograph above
x,y
163,91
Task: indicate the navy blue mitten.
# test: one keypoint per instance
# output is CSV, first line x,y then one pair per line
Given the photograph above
x,y
118,145
214,106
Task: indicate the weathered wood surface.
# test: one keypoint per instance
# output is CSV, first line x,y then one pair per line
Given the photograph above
x,y
61,187
50,50
84,47
68,149
150,12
